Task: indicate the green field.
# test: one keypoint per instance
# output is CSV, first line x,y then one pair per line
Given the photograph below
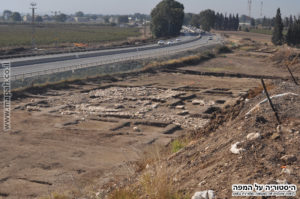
x,y
265,31
52,34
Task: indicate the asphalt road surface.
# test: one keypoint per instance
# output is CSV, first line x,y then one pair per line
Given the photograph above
x,y
27,65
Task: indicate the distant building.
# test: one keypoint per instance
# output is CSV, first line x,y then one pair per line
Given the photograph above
x,y
100,20
114,20
70,20
81,19
123,25
246,24
46,18
27,18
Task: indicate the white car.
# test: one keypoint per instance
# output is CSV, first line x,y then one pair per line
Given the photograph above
x,y
178,40
170,43
210,38
161,43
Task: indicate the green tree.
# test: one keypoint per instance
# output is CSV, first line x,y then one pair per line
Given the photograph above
x,y
237,22
292,36
207,19
60,18
277,37
39,19
16,17
79,14
167,18
123,19
7,14
188,18
252,22
195,21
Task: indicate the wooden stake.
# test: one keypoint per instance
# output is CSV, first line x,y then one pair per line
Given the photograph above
x,y
294,79
270,101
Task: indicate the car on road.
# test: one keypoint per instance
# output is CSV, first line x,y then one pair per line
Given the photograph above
x,y
210,38
161,43
178,40
170,43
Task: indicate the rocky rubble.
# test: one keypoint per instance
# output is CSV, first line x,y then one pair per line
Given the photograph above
x,y
137,103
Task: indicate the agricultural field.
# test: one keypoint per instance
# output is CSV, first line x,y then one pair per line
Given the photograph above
x,y
15,35
265,31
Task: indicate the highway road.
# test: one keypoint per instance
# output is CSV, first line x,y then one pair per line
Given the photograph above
x,y
37,64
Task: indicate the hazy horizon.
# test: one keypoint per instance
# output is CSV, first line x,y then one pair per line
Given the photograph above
x,y
288,7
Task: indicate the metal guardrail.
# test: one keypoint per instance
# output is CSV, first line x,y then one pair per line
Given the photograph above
x,y
114,61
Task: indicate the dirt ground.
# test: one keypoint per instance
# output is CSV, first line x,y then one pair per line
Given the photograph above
x,y
62,139
238,35
267,153
243,143
85,136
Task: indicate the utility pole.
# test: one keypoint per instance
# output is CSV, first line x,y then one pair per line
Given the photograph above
x,y
250,7
33,8
261,8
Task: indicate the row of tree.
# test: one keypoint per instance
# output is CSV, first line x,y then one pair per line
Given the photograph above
x,y
270,22
13,16
293,34
16,17
208,19
226,23
168,17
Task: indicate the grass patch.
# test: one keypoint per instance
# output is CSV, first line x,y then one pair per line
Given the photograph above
x,y
176,145
265,31
123,194
158,186
181,62
262,31
248,48
56,196
155,180
258,90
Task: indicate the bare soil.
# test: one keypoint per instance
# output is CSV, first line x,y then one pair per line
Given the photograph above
x,y
87,136
272,158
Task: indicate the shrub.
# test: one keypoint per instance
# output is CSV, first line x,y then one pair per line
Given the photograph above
x,y
223,49
123,194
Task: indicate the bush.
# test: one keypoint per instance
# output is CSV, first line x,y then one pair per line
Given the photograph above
x,y
223,49
123,194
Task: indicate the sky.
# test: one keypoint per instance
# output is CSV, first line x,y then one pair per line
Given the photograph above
x,y
288,7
